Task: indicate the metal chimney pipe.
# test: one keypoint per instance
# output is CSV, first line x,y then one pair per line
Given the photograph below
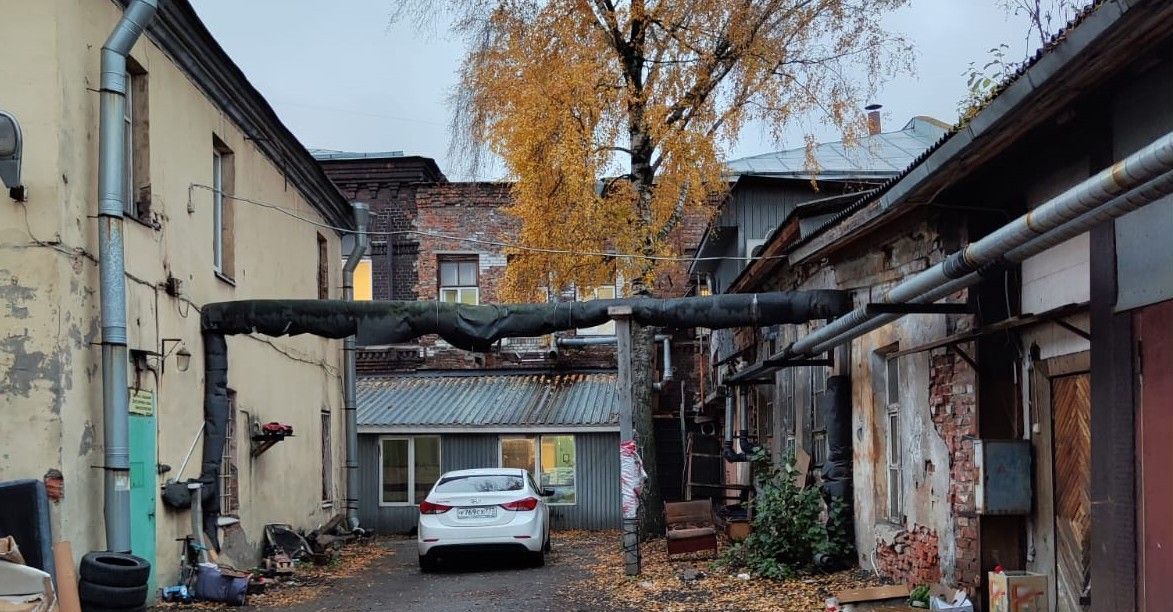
x,y
362,216
874,124
112,160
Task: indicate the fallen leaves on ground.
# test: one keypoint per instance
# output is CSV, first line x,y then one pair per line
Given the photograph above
x,y
308,581
660,586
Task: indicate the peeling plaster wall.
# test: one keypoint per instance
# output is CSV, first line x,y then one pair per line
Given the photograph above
x,y
50,379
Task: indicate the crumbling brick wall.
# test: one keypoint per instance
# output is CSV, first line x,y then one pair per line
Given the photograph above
x,y
912,557
953,405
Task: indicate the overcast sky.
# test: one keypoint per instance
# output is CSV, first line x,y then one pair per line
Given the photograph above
x,y
343,77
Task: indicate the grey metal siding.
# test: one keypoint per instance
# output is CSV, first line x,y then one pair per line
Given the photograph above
x,y
597,464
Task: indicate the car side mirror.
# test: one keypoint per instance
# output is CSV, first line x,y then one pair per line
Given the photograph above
x,y
547,492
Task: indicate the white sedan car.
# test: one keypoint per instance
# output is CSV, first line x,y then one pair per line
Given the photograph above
x,y
484,510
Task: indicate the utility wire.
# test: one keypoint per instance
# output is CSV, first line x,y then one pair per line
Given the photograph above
x,y
496,243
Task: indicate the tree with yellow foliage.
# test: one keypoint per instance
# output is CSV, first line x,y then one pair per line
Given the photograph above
x,y
611,119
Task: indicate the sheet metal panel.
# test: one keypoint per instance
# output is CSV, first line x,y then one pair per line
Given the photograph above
x,y
444,400
597,478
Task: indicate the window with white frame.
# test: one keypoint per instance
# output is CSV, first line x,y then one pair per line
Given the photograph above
x,y
457,275
229,473
818,420
223,186
410,466
327,459
787,405
603,292
136,183
551,458
892,401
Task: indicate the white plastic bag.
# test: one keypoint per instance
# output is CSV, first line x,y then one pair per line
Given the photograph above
x,y
631,478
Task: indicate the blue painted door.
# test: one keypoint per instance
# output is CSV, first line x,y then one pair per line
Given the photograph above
x,y
144,485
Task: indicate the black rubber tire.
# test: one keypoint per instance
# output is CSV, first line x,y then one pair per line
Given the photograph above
x,y
537,559
547,546
114,569
428,564
118,598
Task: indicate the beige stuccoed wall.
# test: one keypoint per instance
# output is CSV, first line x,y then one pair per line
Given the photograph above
x,y
50,378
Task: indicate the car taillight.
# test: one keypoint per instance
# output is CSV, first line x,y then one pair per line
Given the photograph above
x,y
528,503
427,507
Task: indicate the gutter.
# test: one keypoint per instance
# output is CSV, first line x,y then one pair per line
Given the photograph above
x,y
112,160
362,215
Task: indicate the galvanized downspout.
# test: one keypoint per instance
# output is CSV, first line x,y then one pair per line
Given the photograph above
x,y
1127,185
112,160
350,373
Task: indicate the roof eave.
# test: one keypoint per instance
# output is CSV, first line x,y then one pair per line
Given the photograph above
x,y
179,32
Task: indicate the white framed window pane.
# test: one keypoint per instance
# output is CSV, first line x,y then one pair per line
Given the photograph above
x,y
818,448
894,512
128,138
395,471
519,453
217,210
448,273
605,293
450,296
893,440
893,374
467,273
469,295
558,468
427,465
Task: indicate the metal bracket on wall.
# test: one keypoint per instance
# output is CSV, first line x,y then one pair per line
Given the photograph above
x,y
1073,328
956,348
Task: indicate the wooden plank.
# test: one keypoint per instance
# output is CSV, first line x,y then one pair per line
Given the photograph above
x,y
879,593
802,465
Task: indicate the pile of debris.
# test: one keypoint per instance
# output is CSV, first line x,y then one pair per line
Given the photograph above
x,y
288,560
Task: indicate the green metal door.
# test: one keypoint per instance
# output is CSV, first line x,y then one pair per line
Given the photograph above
x,y
144,486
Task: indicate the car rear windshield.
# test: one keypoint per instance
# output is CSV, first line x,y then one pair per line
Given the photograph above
x,y
489,483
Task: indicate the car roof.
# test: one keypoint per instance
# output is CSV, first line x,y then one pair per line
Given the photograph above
x,y
485,472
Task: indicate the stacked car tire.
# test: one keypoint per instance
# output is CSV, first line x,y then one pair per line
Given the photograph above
x,y
113,581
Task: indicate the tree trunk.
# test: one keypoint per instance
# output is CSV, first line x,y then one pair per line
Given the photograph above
x,y
643,359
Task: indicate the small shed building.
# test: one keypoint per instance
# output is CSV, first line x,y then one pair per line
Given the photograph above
x,y
562,426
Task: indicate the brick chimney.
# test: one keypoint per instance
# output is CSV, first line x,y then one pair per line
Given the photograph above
x,y
874,126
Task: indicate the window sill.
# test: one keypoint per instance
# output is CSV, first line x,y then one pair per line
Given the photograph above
x,y
144,221
225,278
886,531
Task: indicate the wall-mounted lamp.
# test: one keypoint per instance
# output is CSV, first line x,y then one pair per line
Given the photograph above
x,y
182,356
10,152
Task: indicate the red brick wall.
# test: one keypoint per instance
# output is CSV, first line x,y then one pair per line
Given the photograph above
x,y
913,557
466,210
953,405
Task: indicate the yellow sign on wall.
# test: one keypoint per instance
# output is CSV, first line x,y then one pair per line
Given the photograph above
x,y
142,402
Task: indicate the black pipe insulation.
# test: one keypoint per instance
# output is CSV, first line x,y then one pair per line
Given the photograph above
x,y
478,327
463,326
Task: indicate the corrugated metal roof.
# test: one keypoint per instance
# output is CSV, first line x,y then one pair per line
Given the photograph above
x,y
877,157
478,399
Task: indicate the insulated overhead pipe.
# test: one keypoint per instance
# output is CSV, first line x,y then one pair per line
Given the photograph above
x,y
112,160
1127,185
362,216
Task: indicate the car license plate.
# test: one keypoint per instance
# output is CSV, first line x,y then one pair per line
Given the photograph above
x,y
476,513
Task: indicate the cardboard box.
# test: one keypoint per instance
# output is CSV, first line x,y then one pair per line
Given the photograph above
x,y
1018,592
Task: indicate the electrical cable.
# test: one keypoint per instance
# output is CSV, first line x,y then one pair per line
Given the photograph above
x,y
496,243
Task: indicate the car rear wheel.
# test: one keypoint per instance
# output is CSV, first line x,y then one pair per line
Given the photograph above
x,y
537,559
427,564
